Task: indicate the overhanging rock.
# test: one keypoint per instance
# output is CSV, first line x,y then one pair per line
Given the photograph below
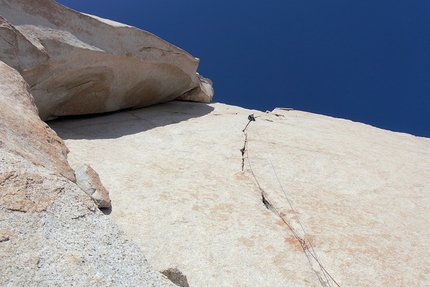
x,y
81,64
51,233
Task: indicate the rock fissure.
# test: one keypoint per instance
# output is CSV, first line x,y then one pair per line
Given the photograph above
x,y
79,216
322,274
268,205
145,48
77,85
11,44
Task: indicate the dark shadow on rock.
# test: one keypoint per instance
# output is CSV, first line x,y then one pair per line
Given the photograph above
x,y
106,211
127,122
176,276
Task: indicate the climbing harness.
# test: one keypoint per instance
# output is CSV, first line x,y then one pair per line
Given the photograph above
x,y
306,245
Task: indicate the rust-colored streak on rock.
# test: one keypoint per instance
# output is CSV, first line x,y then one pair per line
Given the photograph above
x,y
20,192
89,100
247,242
293,241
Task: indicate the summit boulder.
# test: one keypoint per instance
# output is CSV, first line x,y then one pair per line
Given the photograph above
x,y
82,64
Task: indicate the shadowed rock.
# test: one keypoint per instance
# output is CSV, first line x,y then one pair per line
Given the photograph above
x,y
176,277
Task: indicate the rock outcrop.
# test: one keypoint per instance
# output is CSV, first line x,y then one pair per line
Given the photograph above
x,y
82,64
295,199
89,181
23,132
353,196
51,232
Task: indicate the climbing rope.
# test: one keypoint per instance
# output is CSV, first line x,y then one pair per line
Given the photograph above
x,y
306,245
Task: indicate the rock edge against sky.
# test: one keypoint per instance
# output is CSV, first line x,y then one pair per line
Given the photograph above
x,y
82,64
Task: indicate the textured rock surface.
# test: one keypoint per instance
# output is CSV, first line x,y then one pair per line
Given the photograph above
x,y
175,180
21,130
81,64
51,232
89,181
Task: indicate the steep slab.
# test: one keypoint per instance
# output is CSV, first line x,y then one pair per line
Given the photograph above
x,y
353,196
81,64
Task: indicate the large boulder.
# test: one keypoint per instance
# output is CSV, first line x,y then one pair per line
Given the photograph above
x,y
22,132
51,232
354,197
81,64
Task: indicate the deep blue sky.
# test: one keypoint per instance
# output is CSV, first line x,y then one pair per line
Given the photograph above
x,y
364,60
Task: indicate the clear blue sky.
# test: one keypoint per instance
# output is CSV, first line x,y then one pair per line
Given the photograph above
x,y
364,60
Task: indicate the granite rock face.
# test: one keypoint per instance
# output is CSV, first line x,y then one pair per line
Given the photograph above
x,y
353,196
51,232
82,64
295,199
23,132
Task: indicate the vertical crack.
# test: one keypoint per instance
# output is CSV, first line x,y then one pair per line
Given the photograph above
x,y
322,274
268,205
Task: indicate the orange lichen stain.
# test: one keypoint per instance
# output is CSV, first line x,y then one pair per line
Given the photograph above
x,y
241,176
224,217
184,200
280,222
310,239
286,212
309,282
280,259
211,258
246,241
270,248
222,208
294,242
195,207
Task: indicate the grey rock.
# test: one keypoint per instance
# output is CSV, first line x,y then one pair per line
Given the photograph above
x,y
89,181
176,276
